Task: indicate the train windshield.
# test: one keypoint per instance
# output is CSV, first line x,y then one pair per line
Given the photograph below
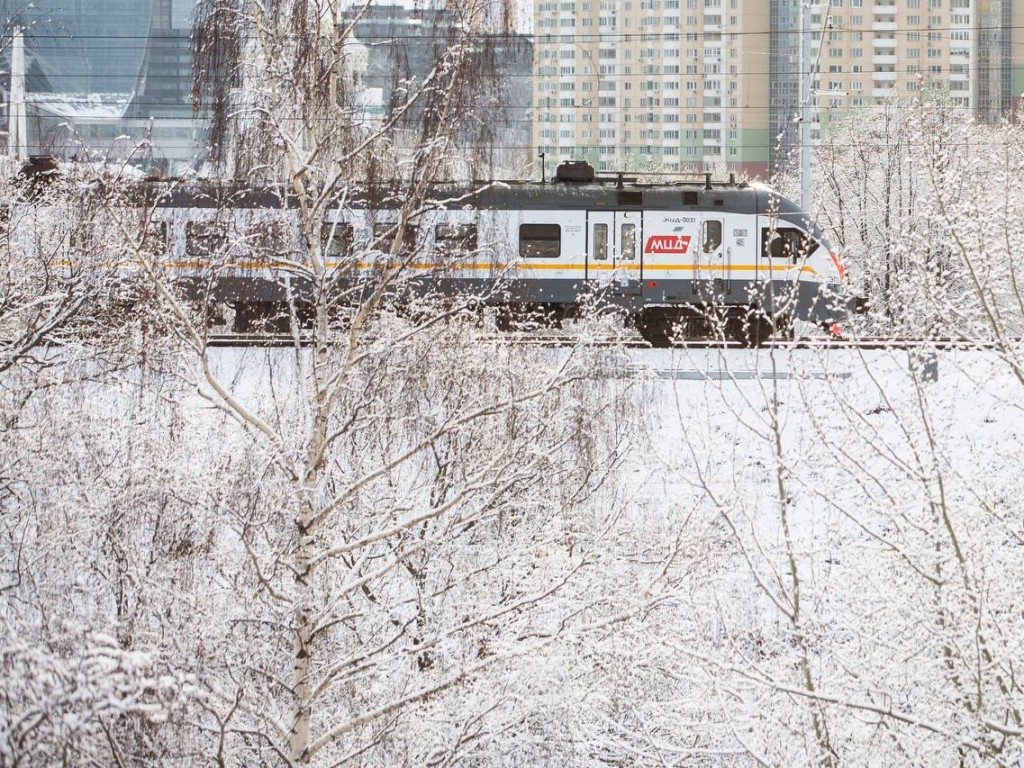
x,y
787,243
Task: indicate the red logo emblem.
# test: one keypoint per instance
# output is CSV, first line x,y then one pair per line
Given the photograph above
x,y
667,244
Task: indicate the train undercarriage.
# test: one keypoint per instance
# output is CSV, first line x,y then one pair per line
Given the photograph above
x,y
659,326
255,306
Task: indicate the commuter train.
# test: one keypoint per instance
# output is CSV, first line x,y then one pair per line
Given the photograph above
x,y
678,260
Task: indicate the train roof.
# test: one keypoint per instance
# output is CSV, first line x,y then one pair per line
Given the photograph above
x,y
575,186
493,195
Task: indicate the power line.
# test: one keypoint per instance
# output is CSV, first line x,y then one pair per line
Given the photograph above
x,y
554,38
661,111
636,148
619,76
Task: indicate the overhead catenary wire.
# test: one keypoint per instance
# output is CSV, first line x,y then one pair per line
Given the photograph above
x,y
441,37
641,148
388,78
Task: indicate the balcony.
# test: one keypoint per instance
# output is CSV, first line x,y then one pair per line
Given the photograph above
x,y
883,42
884,77
883,26
883,9
885,59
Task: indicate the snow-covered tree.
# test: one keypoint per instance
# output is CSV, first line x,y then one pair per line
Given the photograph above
x,y
895,185
398,542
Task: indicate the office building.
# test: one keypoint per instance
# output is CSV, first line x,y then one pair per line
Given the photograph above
x,y
404,44
104,76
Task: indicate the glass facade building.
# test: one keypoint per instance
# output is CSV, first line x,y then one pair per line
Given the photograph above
x,y
88,46
102,75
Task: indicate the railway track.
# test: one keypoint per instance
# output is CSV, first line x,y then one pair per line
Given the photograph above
x,y
865,343
255,340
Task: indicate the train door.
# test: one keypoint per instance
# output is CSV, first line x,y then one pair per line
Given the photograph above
x,y
712,263
614,255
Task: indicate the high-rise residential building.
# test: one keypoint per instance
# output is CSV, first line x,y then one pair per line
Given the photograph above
x,y
867,51
698,85
633,84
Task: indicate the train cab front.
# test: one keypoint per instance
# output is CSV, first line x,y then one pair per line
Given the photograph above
x,y
829,301
797,254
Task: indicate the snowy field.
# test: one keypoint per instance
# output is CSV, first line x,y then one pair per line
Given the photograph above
x,y
632,557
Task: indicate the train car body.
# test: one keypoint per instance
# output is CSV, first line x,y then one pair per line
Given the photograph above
x,y
671,257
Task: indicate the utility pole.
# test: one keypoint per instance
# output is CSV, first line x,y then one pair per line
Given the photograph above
x,y
16,124
806,96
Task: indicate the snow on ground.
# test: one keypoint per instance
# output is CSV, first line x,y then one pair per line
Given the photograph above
x,y
875,611
891,566
902,523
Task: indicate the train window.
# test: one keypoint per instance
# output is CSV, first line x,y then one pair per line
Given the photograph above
x,y
628,241
540,241
784,243
270,238
204,239
455,238
601,242
384,235
690,198
336,238
711,235
155,237
83,237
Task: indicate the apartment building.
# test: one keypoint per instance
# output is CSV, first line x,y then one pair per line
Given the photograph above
x,y
633,84
697,85
867,51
